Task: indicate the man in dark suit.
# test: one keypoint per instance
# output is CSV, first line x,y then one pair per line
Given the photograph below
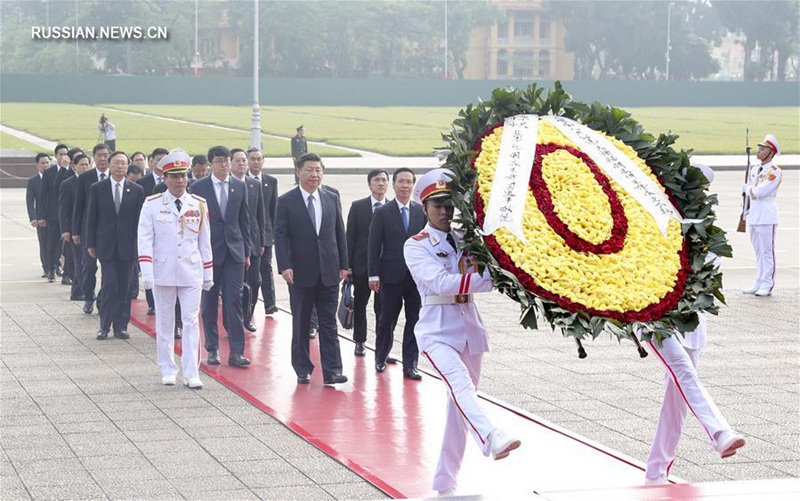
x,y
299,146
100,155
391,226
66,210
230,244
34,199
255,210
148,184
269,192
112,223
51,180
311,247
358,221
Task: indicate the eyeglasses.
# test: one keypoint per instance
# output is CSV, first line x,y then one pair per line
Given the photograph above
x,y
221,161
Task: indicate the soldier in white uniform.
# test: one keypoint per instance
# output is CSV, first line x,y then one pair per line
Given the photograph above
x,y
761,213
682,391
176,262
450,332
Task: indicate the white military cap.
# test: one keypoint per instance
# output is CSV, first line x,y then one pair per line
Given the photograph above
x,y
707,171
433,185
771,142
176,161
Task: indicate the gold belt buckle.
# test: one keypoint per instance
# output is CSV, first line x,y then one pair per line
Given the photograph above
x,y
462,298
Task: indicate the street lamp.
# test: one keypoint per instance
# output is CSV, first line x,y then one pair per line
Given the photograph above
x,y
255,128
445,40
669,25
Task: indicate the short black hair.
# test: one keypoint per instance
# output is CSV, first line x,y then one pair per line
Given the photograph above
x,y
237,150
40,156
134,169
98,147
218,151
80,156
60,146
253,150
72,152
116,154
138,153
376,172
308,157
158,151
199,159
400,171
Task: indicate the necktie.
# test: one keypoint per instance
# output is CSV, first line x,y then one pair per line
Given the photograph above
x,y
158,180
451,241
312,213
223,198
102,176
404,214
117,197
375,206
178,204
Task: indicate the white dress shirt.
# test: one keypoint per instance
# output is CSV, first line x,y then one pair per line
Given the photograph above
x,y
317,206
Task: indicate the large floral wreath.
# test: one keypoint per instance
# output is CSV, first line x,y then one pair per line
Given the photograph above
x,y
591,258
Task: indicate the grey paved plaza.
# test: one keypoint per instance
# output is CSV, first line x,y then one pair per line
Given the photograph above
x,y
86,420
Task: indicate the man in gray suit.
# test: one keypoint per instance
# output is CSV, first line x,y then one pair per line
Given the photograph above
x,y
311,247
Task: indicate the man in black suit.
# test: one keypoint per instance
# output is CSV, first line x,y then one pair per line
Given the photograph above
x,y
391,226
112,223
255,210
148,184
34,199
269,192
299,147
100,155
358,221
230,245
66,211
311,247
51,180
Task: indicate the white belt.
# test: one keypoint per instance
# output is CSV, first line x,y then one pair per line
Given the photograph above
x,y
458,299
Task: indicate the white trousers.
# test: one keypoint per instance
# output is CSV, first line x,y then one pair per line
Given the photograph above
x,y
762,236
165,329
461,373
683,391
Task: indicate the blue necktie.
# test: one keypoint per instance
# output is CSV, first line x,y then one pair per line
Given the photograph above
x,y
404,214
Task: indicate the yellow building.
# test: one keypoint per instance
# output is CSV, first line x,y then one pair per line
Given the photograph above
x,y
526,44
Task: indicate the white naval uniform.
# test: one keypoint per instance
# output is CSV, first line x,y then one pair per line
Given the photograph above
x,y
762,220
175,249
453,338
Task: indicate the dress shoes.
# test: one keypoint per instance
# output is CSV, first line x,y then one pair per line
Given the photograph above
x,y
391,360
360,351
51,277
44,274
502,444
727,442
237,360
751,290
270,310
213,358
194,383
66,281
659,480
102,335
151,311
380,366
249,325
168,380
178,333
304,379
412,374
88,307
122,335
763,292
59,272
335,379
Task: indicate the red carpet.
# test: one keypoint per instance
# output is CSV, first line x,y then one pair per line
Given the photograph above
x,y
388,429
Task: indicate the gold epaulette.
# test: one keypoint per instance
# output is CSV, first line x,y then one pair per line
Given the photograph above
x,y
155,196
198,197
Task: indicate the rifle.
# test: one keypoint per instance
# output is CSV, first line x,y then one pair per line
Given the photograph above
x,y
742,227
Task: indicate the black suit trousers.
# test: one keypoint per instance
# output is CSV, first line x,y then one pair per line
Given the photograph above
x,y
361,293
115,294
77,270
302,300
89,276
267,280
53,256
69,262
393,298
41,234
253,279
228,277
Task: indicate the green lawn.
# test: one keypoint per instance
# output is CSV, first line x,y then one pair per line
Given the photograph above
x,y
401,131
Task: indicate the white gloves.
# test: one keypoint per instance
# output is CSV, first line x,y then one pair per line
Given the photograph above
x,y
148,281
207,285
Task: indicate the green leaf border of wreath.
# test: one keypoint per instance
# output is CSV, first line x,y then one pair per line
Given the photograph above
x,y
684,183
